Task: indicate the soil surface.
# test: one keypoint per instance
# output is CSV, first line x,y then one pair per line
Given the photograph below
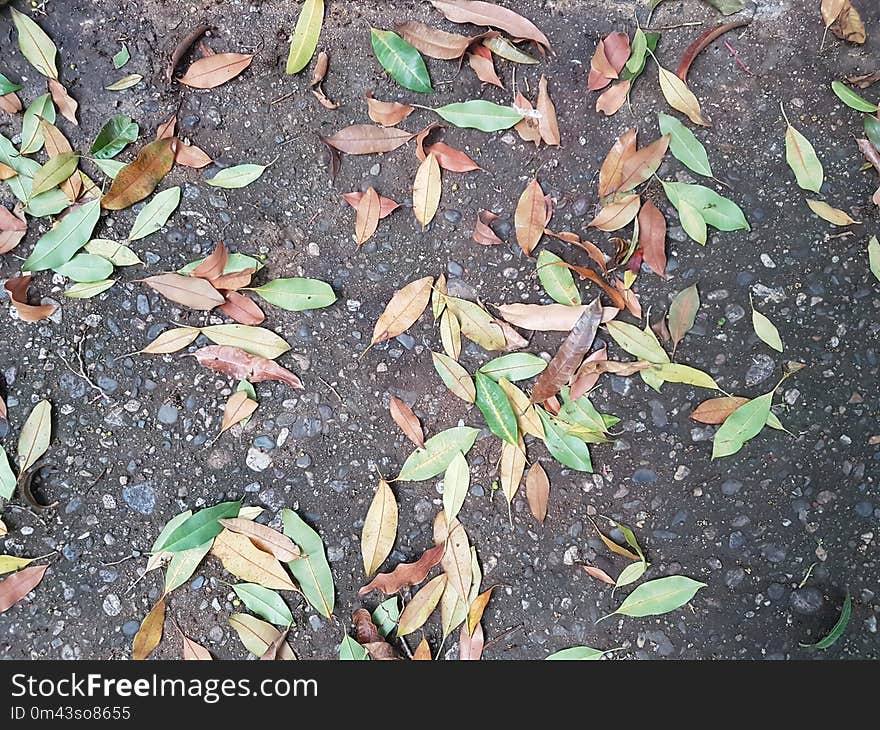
x,y
136,446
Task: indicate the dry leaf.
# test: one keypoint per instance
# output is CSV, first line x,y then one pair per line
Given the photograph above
x,y
405,307
652,237
611,172
530,217
189,291
639,166
193,651
527,128
407,420
483,234
63,100
422,605
238,408
368,636
598,574
241,308
406,574
380,528
477,608
246,561
849,25
422,652
511,467
480,60
433,42
19,584
212,266
456,559
583,382
189,155
715,411
10,103
365,139
137,180
494,16
17,288
264,537
834,216
387,113
366,216
470,646
150,633
611,101
386,205
618,214
57,144
242,365
549,317
680,97
426,190
537,491
608,60
212,71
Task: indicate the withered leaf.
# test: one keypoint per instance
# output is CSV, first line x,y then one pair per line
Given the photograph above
x,y
483,234
150,633
17,288
584,382
549,317
849,25
264,537
611,101
407,420
406,574
639,166
367,214
238,408
480,60
186,290
241,365
537,491
368,636
212,71
477,608
530,217
405,307
652,237
715,411
380,528
422,605
212,266
470,646
433,42
608,60
66,104
494,16
246,561
139,178
611,172
618,214
682,312
387,113
702,42
598,574
547,124
426,190
365,139
569,355
19,584
592,250
386,205
527,128
242,309
423,651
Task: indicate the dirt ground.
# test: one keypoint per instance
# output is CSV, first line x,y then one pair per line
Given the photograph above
x,y
750,526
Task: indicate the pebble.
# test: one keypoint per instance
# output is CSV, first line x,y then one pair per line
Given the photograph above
x,y
644,476
806,601
140,497
580,207
112,605
454,268
452,216
762,367
258,460
130,628
167,414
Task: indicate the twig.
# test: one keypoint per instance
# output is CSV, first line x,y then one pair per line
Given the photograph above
x,y
117,562
406,647
673,27
502,635
81,372
736,57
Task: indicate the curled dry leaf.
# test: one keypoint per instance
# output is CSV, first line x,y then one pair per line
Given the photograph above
x,y
386,205
849,25
318,75
407,420
367,214
652,237
387,113
66,104
617,299
547,123
17,288
183,46
483,233
406,574
530,217
480,60
138,179
405,307
150,633
264,537
242,309
368,636
212,71
584,382
212,266
365,139
241,365
569,355
19,584
591,249
494,16
702,42
238,408
186,290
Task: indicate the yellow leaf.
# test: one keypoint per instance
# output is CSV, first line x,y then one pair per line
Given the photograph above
x,y
380,528
150,633
246,561
450,334
513,465
8,563
426,190
832,215
422,605
680,97
456,560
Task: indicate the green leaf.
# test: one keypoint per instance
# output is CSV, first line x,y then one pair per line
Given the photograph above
x,y
264,602
684,145
674,372
116,133
717,211
438,453
642,344
828,641
7,86
872,130
89,289
582,653
454,376
581,412
401,60
237,176
496,409
7,478
31,134
305,36
638,56
727,7
692,222
630,574
235,263
296,295
35,45
557,279
87,268
183,564
312,571
56,170
121,57
57,246
257,341
631,540
116,253
766,330
659,596
874,257
742,425
803,161
155,214
456,482
198,529
170,527
852,99
110,168
568,450
479,114
386,616
350,650
515,366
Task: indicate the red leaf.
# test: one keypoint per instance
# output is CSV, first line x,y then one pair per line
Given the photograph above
x,y
406,574
242,365
242,309
19,584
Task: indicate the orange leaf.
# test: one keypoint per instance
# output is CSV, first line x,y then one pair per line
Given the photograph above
x,y
242,365
537,491
366,217
242,309
387,113
407,420
17,288
480,60
611,172
238,408
483,234
547,124
612,100
530,217
652,237
19,584
64,101
138,179
213,265
212,71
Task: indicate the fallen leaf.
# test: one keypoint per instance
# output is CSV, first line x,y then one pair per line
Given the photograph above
x,y
483,234
849,25
66,104
583,382
530,217
480,60
422,652
433,42
401,60
422,605
246,561
527,127
19,584
35,45
138,179
598,574
260,638
17,288
126,82
10,221
189,155
608,60
611,172
702,42
537,491
715,411
454,376
366,216
318,74
241,365
264,537
640,166
511,467
241,308
213,265
680,97
193,651
427,190
305,36
652,237
368,636
212,71
682,312
150,633
238,408
618,214
832,215
387,113
386,205
380,528
406,574
611,101
405,307
470,646
477,608
407,420
189,291
365,139
549,317
495,16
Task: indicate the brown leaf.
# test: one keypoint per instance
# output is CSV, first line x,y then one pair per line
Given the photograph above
x,y
591,249
138,179
212,71
387,113
569,355
480,60
477,608
242,365
513,340
864,81
640,166
715,411
652,237
611,172
366,216
618,214
407,421
682,312
19,584
246,561
63,100
189,155
583,382
166,129
193,651
235,280
608,60
57,144
3,414
483,234
242,309
10,222
527,128
549,317
10,103
365,139
537,491
406,574
421,606
615,548
386,205
213,265
614,367
319,72
530,217
17,288
849,26
610,101
278,649
547,124
150,633
598,574
422,652
183,46
238,408
368,636
189,291
702,42
264,537
448,157
433,42
405,307
470,646
494,16
6,172
617,299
